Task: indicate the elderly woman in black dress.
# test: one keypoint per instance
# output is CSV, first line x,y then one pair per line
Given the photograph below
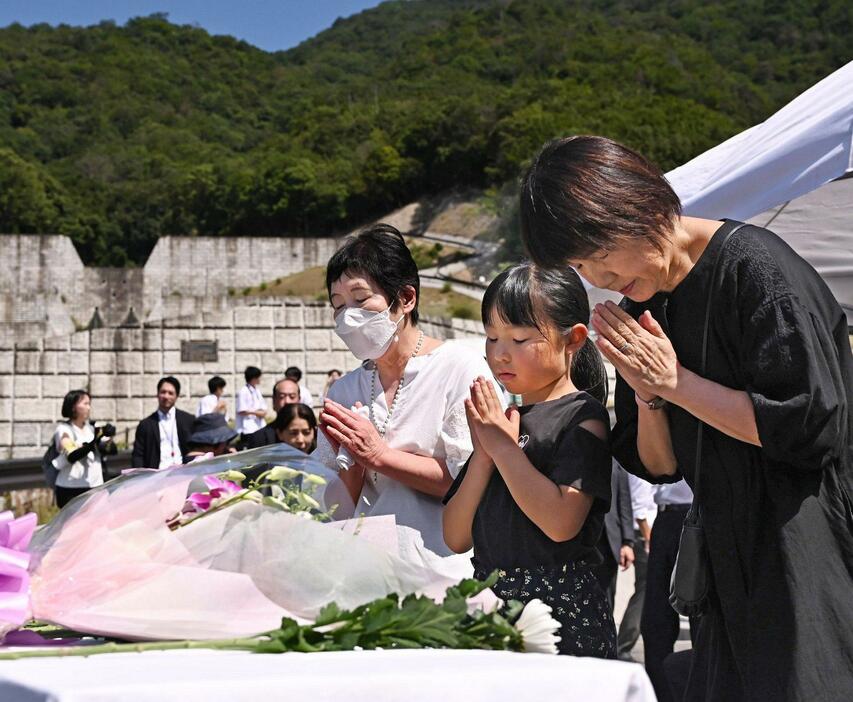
x,y
774,400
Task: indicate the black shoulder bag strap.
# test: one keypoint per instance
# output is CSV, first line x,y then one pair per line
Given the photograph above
x,y
704,363
690,585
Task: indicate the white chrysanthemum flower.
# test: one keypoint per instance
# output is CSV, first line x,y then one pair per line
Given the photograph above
x,y
538,628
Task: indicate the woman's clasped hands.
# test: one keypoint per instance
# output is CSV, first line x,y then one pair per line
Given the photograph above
x,y
355,432
639,349
492,428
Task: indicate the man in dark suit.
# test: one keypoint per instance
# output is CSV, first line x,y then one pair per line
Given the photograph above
x,y
162,439
616,544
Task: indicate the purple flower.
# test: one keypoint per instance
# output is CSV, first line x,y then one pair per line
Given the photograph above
x,y
218,488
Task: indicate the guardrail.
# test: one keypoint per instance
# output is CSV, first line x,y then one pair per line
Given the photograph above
x,y
26,474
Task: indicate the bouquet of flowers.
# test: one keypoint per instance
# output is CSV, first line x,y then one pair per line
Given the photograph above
x,y
189,553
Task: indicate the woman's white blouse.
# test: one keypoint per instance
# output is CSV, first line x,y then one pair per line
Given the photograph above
x,y
87,472
429,420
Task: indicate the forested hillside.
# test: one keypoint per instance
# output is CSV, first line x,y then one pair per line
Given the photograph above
x,y
116,135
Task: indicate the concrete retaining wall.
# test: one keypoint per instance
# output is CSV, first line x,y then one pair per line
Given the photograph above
x,y
121,366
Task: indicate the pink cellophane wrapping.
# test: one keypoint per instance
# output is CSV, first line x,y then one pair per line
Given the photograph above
x,y
109,565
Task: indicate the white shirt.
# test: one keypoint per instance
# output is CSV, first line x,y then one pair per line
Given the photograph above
x,y
170,445
207,405
249,399
642,500
87,472
429,420
674,493
305,396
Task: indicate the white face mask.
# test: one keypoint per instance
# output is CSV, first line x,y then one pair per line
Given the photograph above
x,y
366,333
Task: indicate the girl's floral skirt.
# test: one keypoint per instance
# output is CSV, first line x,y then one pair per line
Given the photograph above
x,y
576,600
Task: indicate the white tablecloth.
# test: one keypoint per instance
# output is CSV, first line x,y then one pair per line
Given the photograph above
x,y
368,676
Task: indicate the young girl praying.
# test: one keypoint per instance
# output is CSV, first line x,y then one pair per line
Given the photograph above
x,y
532,497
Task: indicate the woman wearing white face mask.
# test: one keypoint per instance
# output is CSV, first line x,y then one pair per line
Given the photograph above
x,y
400,416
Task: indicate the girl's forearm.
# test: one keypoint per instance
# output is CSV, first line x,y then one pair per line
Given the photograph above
x,y
557,510
458,516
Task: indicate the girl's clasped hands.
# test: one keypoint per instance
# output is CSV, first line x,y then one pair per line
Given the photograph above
x,y
491,427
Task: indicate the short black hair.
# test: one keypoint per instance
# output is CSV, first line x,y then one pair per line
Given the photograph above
x,y
215,383
251,373
379,252
172,380
586,194
293,373
288,413
71,399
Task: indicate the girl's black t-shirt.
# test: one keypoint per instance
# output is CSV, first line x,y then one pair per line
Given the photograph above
x,y
550,435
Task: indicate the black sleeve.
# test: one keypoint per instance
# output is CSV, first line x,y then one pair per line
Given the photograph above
x,y
456,483
624,436
137,458
795,381
80,452
624,511
583,461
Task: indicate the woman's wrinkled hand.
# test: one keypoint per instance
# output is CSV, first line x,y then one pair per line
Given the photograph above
x,y
491,427
639,350
347,428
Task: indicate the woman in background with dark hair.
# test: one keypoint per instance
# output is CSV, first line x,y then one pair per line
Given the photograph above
x,y
769,419
395,427
295,424
77,442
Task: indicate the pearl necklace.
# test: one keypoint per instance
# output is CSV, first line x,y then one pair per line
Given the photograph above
x,y
384,427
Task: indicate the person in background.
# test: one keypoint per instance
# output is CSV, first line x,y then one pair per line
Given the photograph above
x,y
296,425
210,434
331,377
162,438
213,402
284,392
616,543
644,508
660,623
79,445
251,405
279,430
293,373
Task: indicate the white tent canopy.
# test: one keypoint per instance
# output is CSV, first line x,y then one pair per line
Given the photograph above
x,y
778,175
819,226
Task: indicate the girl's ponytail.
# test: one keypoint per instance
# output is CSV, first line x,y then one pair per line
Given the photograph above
x,y
588,372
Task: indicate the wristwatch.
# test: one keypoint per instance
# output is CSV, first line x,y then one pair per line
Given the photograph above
x,y
655,403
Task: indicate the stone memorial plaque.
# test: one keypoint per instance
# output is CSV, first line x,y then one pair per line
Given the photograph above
x,y
199,351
